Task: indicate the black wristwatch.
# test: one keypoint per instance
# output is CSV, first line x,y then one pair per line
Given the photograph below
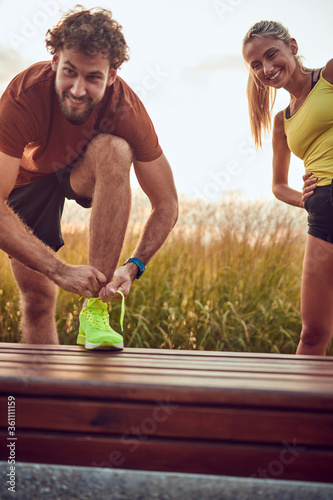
x,y
140,265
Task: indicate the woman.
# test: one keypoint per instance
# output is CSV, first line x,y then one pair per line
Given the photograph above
x,y
305,128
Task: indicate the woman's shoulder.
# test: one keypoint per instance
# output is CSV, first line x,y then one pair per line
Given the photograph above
x,y
328,71
279,118
278,126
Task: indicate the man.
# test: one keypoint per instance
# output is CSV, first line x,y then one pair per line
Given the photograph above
x,y
71,129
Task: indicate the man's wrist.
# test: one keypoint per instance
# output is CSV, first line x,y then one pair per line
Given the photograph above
x,y
138,264
54,268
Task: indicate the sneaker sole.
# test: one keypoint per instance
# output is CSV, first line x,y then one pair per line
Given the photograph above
x,y
81,340
104,345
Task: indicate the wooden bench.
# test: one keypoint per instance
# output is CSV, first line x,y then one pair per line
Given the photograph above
x,y
221,413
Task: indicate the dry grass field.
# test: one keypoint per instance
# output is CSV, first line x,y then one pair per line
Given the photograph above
x,y
228,278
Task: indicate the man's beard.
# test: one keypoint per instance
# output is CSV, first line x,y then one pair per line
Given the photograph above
x,y
77,117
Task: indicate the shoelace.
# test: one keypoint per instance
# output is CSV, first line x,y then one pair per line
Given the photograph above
x,y
122,310
99,321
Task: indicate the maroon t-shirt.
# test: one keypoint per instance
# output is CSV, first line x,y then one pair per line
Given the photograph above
x,y
33,127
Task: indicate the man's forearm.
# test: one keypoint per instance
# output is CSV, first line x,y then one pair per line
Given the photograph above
x,y
17,240
19,243
158,227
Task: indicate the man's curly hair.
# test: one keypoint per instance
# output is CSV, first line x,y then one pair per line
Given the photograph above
x,y
90,31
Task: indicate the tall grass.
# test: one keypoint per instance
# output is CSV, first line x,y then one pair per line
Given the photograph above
x,y
228,278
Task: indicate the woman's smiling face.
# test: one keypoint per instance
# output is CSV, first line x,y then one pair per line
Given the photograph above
x,y
272,60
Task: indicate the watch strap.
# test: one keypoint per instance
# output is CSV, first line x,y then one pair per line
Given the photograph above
x,y
139,263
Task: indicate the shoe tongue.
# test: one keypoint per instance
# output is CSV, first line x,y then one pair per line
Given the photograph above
x,y
97,304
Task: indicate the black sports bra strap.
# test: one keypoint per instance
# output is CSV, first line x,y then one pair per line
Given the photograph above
x,y
313,83
288,112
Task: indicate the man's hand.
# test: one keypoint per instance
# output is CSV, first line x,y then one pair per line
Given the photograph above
x,y
122,280
83,280
309,186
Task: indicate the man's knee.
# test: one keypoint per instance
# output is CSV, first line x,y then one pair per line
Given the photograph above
x,y
107,147
36,311
34,288
39,301
106,162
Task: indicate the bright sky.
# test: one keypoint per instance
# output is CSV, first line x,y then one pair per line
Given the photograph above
x,y
187,68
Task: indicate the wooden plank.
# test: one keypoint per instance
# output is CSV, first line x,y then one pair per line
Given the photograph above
x,y
131,384
104,363
158,358
193,369
288,461
199,363
98,375
175,362
170,420
161,352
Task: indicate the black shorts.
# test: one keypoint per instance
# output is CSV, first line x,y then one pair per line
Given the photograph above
x,y
320,213
40,204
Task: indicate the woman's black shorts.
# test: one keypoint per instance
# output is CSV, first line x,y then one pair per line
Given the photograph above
x,y
320,213
40,204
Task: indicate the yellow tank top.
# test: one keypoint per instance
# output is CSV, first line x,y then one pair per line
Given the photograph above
x,y
310,131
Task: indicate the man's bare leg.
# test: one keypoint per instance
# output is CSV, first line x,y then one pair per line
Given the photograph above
x,y
38,301
103,175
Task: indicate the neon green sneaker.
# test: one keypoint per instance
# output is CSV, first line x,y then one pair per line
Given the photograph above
x,y
95,331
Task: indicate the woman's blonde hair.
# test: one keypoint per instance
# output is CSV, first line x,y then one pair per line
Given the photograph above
x,y
261,97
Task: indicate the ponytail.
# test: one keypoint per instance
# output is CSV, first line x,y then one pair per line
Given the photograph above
x,y
261,99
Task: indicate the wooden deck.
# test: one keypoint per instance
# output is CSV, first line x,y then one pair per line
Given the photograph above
x,y
235,414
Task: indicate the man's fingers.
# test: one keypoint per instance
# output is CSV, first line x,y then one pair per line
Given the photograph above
x,y
100,278
110,291
97,282
107,294
93,285
82,280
